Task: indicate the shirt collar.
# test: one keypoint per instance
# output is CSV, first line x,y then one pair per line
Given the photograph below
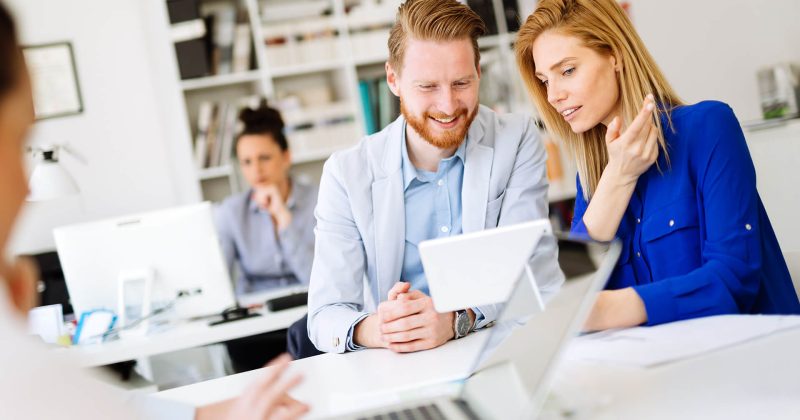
x,y
410,172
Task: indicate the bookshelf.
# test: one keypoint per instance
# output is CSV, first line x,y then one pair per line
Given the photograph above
x,y
321,62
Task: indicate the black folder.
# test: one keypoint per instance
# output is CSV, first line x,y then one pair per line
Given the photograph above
x,y
193,57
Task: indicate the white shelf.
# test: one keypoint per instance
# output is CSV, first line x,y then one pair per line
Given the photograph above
x,y
370,60
220,80
305,68
300,27
214,172
317,113
308,9
377,17
491,41
309,55
318,155
315,156
320,142
756,125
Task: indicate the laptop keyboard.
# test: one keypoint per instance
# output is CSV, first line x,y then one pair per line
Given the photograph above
x,y
422,412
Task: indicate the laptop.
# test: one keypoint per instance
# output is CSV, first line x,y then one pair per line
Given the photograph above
x,y
511,373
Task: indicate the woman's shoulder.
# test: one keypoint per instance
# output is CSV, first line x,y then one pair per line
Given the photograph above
x,y
705,113
701,125
701,112
235,202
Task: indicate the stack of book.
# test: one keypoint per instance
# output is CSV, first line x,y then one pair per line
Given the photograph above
x,y
217,124
210,39
380,105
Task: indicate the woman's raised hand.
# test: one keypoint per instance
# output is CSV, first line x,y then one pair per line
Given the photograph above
x,y
633,150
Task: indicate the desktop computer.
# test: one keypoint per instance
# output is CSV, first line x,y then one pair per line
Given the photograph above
x,y
150,258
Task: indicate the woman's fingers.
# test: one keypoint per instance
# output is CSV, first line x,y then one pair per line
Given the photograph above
x,y
642,143
652,144
612,131
638,129
645,115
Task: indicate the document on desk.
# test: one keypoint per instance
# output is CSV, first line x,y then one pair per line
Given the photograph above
x,y
653,346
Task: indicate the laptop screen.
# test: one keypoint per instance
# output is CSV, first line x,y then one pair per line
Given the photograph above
x,y
531,342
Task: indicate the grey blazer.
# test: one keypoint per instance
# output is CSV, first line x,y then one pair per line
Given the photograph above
x,y
360,232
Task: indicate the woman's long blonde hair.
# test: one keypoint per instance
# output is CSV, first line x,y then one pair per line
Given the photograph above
x,y
604,27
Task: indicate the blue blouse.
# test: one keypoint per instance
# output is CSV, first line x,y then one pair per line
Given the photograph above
x,y
696,238
266,259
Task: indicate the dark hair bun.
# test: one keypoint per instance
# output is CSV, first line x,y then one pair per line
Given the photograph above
x,y
263,119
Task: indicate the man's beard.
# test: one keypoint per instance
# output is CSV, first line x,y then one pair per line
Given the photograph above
x,y
449,138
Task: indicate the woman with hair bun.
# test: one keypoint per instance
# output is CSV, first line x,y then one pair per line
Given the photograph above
x,y
268,230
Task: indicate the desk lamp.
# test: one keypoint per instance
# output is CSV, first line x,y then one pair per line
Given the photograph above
x,y
49,179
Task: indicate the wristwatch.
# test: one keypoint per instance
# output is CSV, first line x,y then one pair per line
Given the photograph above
x,y
461,324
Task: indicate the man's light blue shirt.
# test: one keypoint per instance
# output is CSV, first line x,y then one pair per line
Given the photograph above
x,y
432,210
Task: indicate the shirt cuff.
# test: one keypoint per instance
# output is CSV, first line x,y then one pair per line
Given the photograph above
x,y
659,302
578,230
350,344
479,317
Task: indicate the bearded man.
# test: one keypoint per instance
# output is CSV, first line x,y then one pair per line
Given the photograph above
x,y
446,166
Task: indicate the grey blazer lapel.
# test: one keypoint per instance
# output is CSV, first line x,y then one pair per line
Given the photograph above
x,y
477,170
388,206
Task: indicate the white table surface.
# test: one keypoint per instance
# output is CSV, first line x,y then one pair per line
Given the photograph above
x,y
182,336
756,379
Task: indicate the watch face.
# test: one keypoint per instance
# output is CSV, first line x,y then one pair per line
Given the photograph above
x,y
462,325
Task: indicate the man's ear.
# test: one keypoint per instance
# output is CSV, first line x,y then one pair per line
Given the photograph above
x,y
392,80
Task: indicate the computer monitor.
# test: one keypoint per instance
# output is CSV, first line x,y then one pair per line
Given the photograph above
x,y
178,246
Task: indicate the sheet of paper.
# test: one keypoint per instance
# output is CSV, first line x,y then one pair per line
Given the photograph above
x,y
46,322
651,346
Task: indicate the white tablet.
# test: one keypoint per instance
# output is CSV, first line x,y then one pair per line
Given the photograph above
x,y
479,268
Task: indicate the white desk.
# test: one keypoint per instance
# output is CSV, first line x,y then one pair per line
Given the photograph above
x,y
757,379
182,336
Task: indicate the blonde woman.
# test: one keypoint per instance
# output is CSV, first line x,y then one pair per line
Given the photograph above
x,y
674,182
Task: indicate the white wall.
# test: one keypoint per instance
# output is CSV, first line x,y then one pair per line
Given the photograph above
x,y
776,156
131,133
711,49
